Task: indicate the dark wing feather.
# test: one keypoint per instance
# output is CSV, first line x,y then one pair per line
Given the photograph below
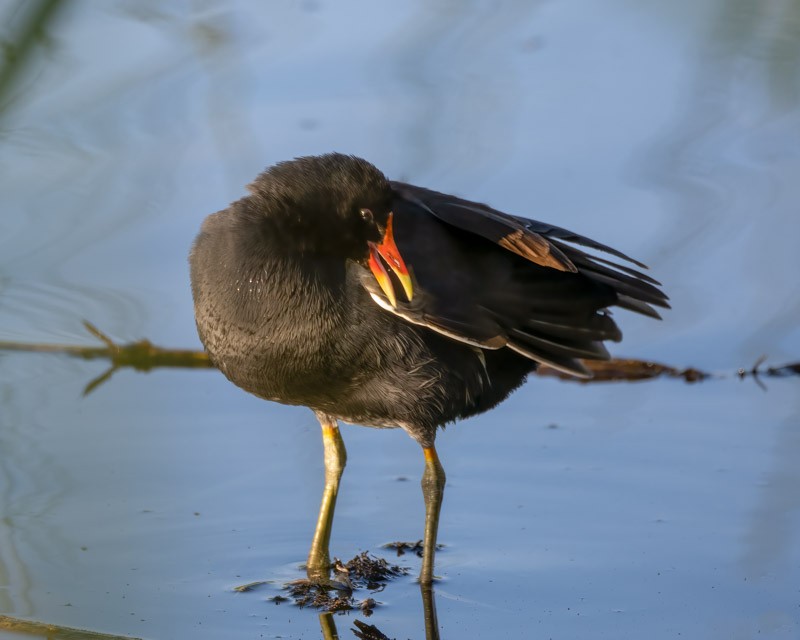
x,y
494,280
509,232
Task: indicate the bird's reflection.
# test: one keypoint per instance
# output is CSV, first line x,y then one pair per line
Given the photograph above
x,y
365,631
429,612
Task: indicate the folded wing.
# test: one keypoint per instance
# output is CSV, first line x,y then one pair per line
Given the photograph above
x,y
494,280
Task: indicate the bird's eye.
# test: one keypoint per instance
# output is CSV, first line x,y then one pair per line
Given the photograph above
x,y
366,215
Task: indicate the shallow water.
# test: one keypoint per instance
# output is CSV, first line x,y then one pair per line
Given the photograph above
x,y
656,509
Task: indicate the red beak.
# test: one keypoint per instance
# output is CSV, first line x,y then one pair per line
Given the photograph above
x,y
387,250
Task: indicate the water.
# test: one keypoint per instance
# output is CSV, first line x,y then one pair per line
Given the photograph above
x,y
656,509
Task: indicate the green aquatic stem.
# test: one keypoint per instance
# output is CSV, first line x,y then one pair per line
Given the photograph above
x,y
141,355
54,631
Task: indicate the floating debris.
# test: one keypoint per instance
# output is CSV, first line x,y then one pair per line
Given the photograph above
x,y
362,572
401,548
250,586
278,599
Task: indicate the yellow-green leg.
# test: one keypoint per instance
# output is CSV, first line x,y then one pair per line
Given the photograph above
x,y
432,490
319,559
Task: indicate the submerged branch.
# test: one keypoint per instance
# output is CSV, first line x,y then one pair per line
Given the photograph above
x,y
626,370
143,355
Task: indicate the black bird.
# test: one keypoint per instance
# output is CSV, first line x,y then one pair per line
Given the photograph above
x,y
389,305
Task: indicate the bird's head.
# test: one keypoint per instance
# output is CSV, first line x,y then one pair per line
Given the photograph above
x,y
338,205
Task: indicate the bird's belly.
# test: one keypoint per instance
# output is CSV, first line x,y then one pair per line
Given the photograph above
x,y
414,379
281,378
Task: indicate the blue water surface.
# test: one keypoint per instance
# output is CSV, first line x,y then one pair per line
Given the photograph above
x,y
657,509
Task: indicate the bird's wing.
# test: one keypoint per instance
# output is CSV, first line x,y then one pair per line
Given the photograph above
x,y
494,280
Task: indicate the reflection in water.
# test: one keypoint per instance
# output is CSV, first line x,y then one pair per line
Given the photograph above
x,y
328,626
221,56
429,612
726,166
723,167
772,530
458,93
371,632
29,24
32,483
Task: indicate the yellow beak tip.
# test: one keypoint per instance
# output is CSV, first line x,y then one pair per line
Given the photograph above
x,y
408,287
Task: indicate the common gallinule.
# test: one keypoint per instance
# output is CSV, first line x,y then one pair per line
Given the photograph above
x,y
385,304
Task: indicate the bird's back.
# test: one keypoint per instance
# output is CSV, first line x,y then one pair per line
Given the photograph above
x,y
494,295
